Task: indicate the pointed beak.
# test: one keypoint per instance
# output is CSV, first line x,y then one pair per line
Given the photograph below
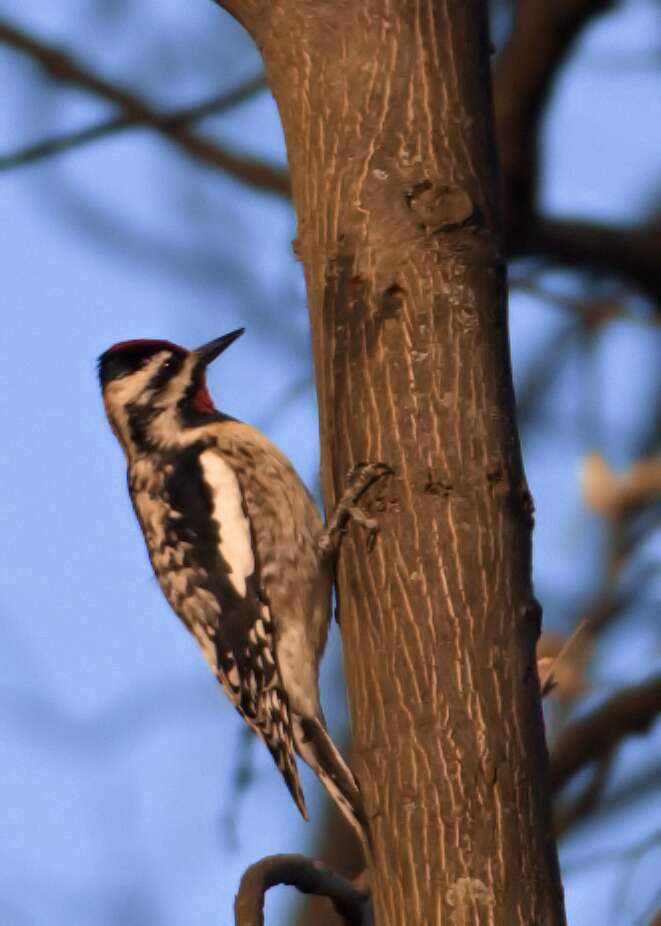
x,y
213,349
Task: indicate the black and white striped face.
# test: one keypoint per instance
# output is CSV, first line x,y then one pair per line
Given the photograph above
x,y
154,389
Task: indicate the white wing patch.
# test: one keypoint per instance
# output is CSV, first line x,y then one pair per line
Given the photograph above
x,y
235,545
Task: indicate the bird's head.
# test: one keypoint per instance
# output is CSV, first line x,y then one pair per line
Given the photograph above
x,y
154,389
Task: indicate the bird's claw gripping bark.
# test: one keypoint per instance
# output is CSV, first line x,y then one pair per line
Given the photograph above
x,y
359,478
371,526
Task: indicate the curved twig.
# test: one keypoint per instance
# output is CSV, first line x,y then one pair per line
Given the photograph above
x,y
309,876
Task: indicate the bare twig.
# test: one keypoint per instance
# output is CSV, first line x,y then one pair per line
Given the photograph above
x,y
63,67
179,117
309,876
631,711
548,665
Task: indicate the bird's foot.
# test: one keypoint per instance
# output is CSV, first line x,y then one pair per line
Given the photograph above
x,y
359,478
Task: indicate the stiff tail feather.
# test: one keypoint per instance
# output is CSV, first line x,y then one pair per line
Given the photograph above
x,y
315,746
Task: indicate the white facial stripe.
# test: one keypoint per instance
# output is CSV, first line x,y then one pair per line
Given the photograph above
x,y
128,390
165,426
235,545
134,390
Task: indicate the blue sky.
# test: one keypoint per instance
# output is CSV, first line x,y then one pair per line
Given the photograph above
x,y
120,751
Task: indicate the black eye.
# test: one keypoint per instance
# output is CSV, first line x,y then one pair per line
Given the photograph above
x,y
168,369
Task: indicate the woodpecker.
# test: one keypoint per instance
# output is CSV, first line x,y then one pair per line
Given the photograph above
x,y
238,547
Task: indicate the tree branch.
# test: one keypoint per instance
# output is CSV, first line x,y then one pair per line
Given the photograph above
x,y
179,117
61,66
309,877
588,739
631,253
541,38
566,817
624,796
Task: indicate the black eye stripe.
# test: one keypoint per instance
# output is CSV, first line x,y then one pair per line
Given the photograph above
x,y
115,364
167,370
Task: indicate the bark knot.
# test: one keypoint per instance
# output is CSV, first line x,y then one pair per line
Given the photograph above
x,y
439,207
392,302
496,476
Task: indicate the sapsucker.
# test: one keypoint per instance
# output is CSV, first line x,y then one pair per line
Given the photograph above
x,y
238,547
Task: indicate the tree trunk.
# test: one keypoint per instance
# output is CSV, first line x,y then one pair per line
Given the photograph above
x,y
386,111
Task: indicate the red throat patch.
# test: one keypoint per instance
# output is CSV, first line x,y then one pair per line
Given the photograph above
x,y
202,401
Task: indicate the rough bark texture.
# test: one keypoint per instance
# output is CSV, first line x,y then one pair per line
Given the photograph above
x,y
387,116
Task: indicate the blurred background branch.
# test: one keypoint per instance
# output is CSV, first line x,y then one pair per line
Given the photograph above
x,y
595,736
61,67
180,117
